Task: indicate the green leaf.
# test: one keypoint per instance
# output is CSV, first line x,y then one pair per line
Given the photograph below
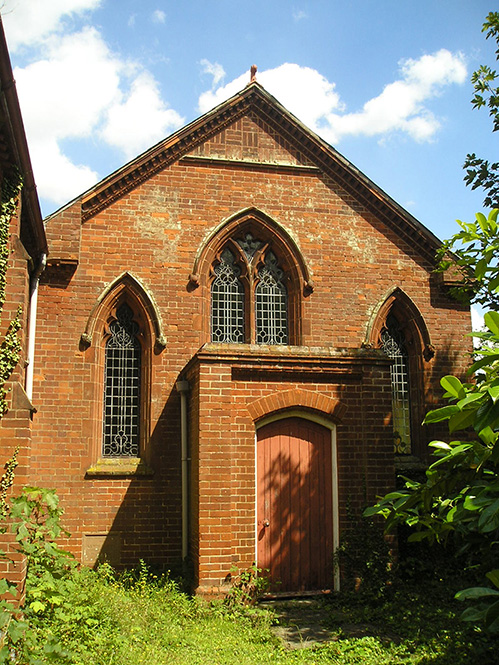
x,y
440,445
482,221
453,386
488,435
437,415
489,519
476,592
493,576
492,614
418,536
492,322
473,614
469,399
483,362
37,606
461,420
481,268
494,393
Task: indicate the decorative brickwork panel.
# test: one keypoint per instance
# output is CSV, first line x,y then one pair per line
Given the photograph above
x,y
251,139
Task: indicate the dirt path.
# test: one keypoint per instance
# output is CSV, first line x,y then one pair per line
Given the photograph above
x,y
302,622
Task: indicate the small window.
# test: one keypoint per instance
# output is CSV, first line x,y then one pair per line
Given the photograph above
x,y
394,345
122,374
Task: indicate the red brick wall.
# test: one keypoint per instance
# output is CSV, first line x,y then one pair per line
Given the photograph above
x,y
16,425
155,233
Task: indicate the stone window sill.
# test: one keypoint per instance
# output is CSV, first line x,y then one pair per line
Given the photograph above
x,y
119,466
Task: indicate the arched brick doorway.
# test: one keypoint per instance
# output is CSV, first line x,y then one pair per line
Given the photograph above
x,y
296,493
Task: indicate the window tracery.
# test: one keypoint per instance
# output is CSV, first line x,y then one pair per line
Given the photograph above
x,y
122,378
249,296
227,301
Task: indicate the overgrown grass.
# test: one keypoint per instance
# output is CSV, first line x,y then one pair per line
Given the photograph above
x,y
141,618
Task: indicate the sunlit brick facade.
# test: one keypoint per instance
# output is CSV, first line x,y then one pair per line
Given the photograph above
x,y
309,255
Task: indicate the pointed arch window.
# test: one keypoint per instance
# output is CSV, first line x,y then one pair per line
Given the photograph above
x,y
249,295
393,344
122,386
398,328
271,303
227,301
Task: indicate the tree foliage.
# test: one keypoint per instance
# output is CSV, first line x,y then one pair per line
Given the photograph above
x,y
475,250
480,173
459,498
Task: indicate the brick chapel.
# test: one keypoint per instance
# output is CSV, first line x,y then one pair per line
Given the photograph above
x,y
237,337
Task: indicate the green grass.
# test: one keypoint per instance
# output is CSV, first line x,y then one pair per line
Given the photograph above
x,y
143,619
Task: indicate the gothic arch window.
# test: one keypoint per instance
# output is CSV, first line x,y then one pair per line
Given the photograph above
x,y
249,296
398,328
227,301
122,387
122,333
271,303
393,344
254,282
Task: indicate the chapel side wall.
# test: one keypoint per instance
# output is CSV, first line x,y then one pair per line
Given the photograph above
x,y
154,232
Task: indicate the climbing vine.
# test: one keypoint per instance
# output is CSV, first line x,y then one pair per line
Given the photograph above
x,y
10,347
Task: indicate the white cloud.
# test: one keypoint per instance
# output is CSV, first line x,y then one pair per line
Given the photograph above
x,y
66,93
78,89
298,15
214,69
141,119
400,107
57,178
302,90
158,16
28,22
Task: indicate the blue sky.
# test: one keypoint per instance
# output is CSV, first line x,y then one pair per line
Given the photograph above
x,y
384,81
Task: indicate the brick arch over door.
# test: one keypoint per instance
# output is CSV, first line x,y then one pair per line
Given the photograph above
x,y
306,400
297,500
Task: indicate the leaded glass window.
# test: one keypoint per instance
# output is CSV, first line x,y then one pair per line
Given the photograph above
x,y
227,301
249,245
271,306
393,344
122,372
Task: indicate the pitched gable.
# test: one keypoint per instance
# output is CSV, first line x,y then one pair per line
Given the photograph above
x,y
254,127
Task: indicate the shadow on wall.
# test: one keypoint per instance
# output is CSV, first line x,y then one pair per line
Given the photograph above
x,y
147,521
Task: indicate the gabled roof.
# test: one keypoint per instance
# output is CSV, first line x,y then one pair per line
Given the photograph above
x,y
256,99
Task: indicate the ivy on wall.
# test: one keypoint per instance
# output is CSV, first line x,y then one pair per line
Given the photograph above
x,y
10,348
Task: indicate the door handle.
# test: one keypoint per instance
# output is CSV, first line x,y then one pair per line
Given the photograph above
x,y
265,523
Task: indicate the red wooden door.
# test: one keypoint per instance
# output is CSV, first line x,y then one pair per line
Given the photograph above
x,y
294,504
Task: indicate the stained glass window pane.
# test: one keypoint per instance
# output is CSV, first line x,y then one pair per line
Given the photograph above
x,y
271,306
227,301
393,344
122,387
